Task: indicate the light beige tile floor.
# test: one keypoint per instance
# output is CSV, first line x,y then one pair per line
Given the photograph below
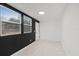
x,y
42,48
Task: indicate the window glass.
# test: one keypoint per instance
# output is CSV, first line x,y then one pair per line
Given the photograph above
x,y
10,21
27,24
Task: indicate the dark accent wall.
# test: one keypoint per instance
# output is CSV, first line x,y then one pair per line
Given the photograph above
x,y
12,43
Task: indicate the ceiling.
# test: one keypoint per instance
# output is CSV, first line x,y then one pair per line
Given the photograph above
x,y
53,11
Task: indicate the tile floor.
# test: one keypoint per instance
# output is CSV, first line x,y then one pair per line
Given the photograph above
x,y
42,48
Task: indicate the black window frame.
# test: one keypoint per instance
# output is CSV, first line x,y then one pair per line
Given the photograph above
x,y
22,13
24,24
20,21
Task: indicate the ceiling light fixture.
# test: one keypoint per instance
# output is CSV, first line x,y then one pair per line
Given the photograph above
x,y
41,12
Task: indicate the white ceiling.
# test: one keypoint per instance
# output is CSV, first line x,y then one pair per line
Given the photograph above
x,y
53,11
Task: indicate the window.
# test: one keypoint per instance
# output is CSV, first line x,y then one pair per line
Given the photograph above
x,y
27,24
10,21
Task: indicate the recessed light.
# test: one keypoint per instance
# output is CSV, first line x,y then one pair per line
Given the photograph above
x,y
41,12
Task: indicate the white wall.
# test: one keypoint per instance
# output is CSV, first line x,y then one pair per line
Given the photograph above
x,y
71,29
50,26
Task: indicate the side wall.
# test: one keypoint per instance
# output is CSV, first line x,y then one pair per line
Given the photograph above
x,y
70,28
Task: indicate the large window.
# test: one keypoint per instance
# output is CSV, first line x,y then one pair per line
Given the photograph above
x,y
10,21
27,24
